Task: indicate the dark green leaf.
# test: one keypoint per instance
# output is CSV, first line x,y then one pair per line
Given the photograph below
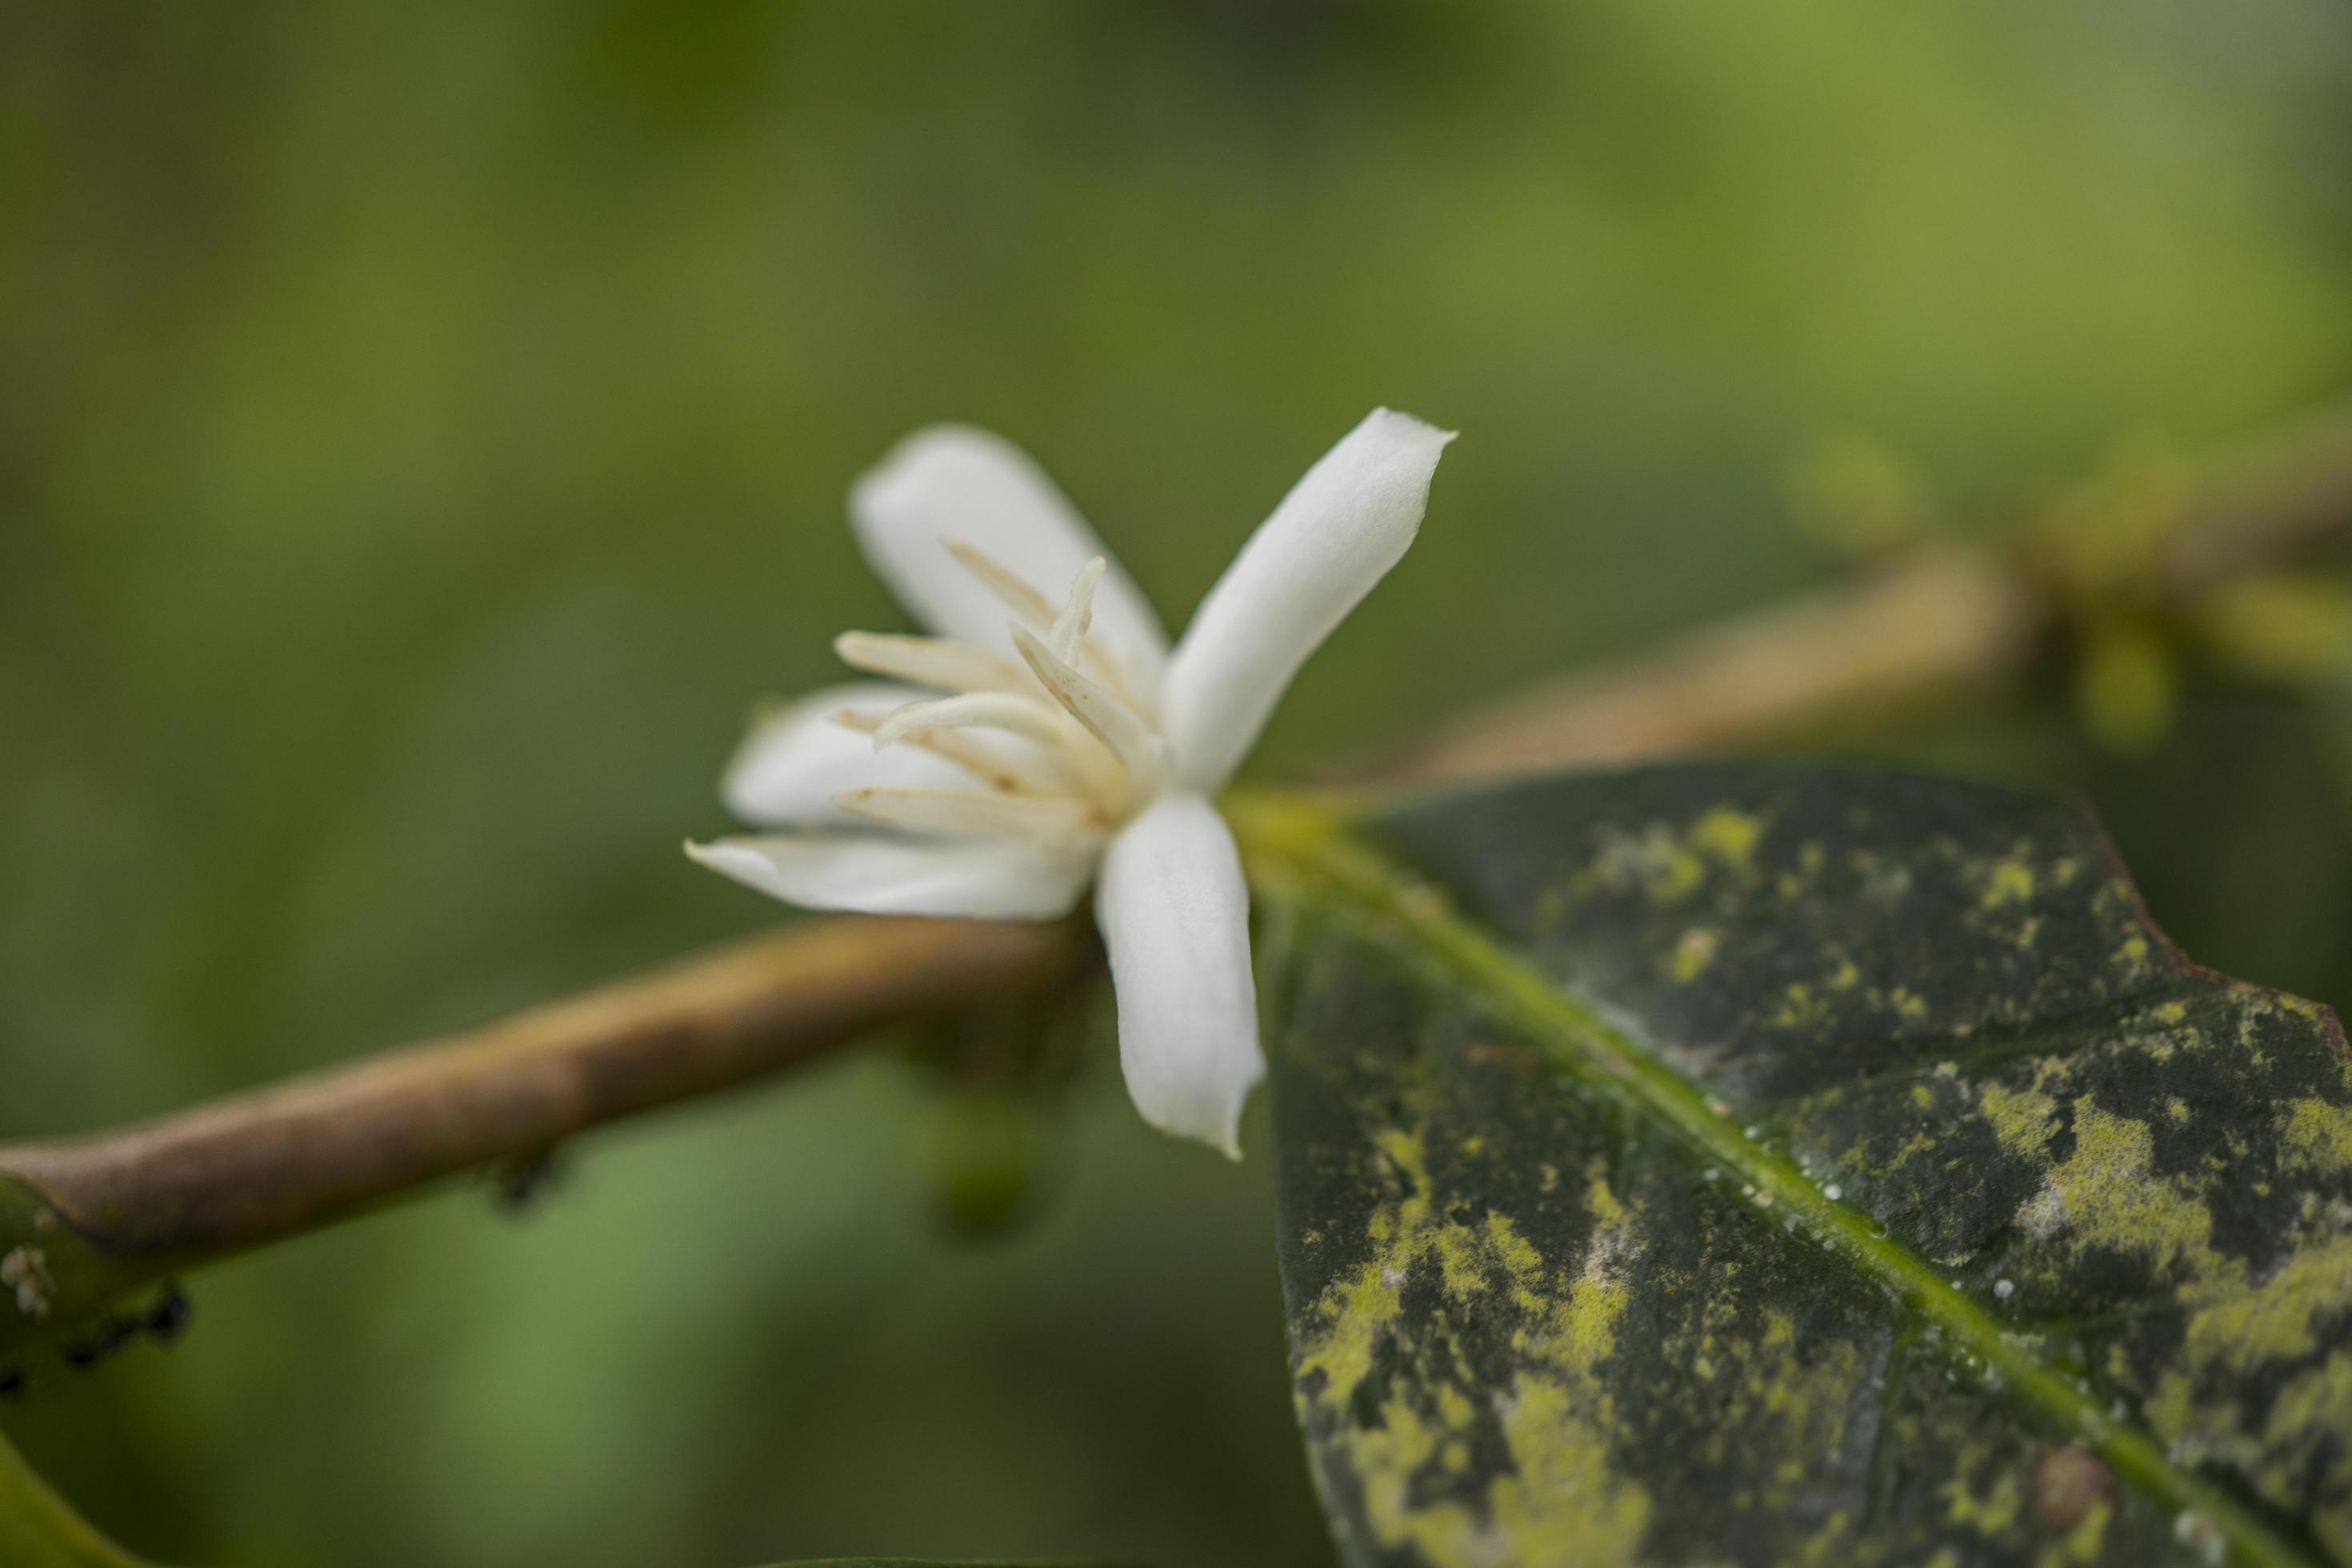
x,y
1752,1165
38,1528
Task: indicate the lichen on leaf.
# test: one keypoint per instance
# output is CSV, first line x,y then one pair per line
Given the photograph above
x,y
1727,1164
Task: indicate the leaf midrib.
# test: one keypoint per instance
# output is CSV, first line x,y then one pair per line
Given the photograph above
x,y
1295,848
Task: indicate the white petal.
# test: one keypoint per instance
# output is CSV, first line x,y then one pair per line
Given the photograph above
x,y
951,482
883,874
1335,534
795,761
1175,914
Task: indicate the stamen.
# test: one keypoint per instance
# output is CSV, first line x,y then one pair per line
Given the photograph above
x,y
996,768
1058,821
1025,602
1109,671
1034,610
931,661
977,710
1134,742
1082,763
1068,636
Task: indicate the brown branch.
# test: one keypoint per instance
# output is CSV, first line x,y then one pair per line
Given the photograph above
x,y
2267,502
86,1219
141,1201
1944,618
1925,624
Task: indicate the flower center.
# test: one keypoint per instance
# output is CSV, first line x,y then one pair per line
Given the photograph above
x,y
1061,747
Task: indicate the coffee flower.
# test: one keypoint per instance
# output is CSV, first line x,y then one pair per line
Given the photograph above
x,y
1046,739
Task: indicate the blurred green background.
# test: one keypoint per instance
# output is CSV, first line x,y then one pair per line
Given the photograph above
x,y
423,432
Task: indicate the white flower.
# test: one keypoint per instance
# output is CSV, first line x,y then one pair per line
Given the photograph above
x,y
1039,744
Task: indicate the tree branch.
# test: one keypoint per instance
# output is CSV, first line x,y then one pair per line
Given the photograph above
x,y
1921,626
84,1219
1944,618
2264,503
89,1218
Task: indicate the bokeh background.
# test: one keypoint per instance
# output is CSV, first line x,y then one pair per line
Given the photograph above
x,y
423,432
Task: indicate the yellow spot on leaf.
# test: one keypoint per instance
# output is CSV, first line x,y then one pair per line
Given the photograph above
x,y
2316,1136
2023,1120
1694,953
2012,882
1730,836
2107,1195
1989,1515
1558,1502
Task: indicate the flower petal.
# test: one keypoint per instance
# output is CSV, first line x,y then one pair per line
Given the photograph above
x,y
1175,914
951,482
795,761
885,875
1335,534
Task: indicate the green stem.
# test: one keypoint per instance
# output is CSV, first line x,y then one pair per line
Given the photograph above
x,y
1295,848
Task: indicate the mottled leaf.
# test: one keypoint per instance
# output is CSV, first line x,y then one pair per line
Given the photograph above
x,y
1756,1164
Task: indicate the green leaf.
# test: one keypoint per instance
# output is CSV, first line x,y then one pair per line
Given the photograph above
x,y
38,1528
1759,1164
